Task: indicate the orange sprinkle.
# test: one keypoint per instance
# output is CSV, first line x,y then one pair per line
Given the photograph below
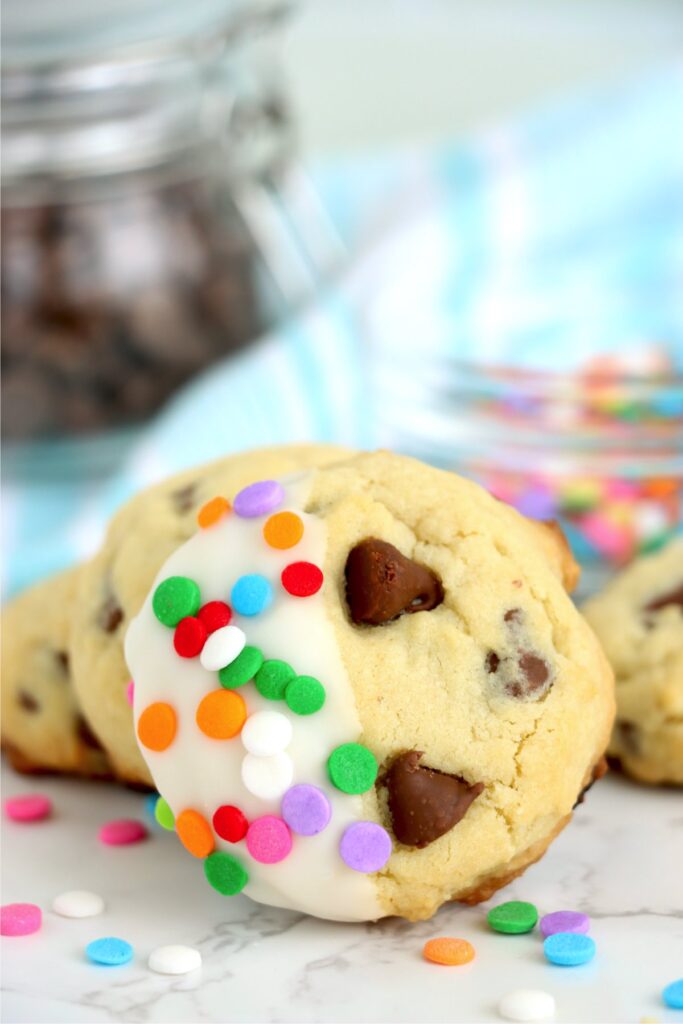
x,y
450,952
661,487
213,511
157,726
283,530
194,833
221,714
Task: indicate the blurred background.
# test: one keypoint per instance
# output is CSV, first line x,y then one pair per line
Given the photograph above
x,y
454,228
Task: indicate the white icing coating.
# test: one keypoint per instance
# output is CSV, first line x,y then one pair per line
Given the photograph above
x,y
203,774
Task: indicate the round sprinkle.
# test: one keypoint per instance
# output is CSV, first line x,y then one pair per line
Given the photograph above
x,y
212,512
225,873
564,921
20,919
29,808
157,726
78,903
267,777
230,824
302,579
306,809
272,678
266,733
513,918
222,647
449,952
109,952
673,995
130,692
164,815
567,949
259,499
352,768
283,530
189,637
251,595
527,1004
194,833
365,846
150,804
305,695
174,599
214,615
268,839
221,714
242,669
122,832
174,960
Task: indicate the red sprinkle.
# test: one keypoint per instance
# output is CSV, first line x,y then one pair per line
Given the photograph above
x,y
230,823
189,637
34,807
122,832
302,579
215,615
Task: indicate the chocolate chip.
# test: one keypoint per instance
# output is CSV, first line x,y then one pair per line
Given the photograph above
x,y
27,701
62,659
183,499
86,735
110,616
525,675
673,597
492,662
628,735
514,616
600,769
535,671
382,584
425,803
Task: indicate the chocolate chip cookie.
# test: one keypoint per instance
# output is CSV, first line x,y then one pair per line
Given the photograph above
x,y
639,621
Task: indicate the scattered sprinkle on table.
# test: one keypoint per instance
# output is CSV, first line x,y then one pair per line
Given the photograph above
x,y
109,952
29,808
527,1004
78,903
174,959
449,952
567,949
513,918
564,921
122,832
20,919
673,995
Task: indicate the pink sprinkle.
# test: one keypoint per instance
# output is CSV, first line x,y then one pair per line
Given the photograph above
x,y
609,539
122,832
130,692
20,919
33,807
268,839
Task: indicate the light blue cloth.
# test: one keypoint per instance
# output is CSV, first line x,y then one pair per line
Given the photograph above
x,y
540,242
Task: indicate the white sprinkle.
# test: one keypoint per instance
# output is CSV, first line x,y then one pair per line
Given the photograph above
x,y
78,903
267,777
174,959
266,732
222,647
527,1004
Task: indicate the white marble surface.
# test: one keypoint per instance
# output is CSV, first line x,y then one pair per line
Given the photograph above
x,y
621,861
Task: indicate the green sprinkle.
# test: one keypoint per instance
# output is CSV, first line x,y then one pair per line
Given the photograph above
x,y
513,918
164,814
272,679
305,695
352,768
176,598
225,873
242,669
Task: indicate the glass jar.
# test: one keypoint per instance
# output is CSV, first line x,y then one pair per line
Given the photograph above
x,y
153,219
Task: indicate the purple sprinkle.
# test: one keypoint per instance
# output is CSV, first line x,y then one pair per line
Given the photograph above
x,y
565,921
365,846
259,498
537,503
306,809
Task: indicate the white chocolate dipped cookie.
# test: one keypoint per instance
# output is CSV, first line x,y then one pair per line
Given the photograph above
x,y
363,691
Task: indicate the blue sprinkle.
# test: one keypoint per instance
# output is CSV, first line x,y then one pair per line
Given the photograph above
x,y
569,949
251,595
151,806
673,995
109,952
